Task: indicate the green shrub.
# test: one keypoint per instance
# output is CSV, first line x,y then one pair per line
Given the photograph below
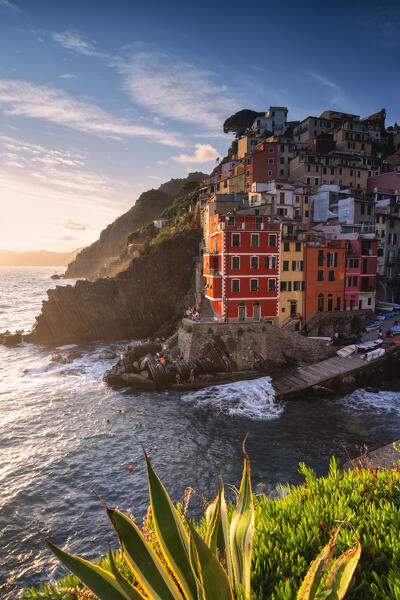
x,y
188,328
290,532
240,331
264,329
232,344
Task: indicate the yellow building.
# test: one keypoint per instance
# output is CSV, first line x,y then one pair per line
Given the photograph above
x,y
291,298
246,145
350,136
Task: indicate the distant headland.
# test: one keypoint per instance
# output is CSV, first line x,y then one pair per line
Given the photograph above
x,y
39,258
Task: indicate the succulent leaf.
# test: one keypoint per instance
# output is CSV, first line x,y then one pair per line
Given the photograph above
x,y
171,534
143,560
100,582
241,533
214,579
342,570
131,592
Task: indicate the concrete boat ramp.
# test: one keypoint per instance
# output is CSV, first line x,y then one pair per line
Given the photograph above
x,y
332,375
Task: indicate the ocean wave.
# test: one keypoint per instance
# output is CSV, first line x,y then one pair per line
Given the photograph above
x,y
253,399
381,401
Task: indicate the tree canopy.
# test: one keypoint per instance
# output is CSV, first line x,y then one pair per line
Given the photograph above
x,y
240,122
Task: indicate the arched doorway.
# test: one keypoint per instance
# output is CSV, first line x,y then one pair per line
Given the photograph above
x,y
256,311
321,303
242,312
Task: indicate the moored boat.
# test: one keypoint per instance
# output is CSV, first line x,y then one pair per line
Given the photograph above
x,y
374,326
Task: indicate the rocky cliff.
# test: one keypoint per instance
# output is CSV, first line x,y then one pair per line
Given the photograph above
x,y
146,298
112,241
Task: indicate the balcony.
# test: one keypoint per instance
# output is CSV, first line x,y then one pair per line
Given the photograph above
x,y
215,272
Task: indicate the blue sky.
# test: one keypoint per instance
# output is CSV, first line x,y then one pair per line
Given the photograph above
x,y
100,101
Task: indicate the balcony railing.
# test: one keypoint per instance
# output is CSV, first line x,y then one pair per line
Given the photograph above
x,y
215,272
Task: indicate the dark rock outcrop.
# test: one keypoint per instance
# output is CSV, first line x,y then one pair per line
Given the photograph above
x,y
134,304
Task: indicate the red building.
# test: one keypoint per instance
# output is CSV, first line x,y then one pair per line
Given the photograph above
x,y
241,267
324,276
360,274
262,165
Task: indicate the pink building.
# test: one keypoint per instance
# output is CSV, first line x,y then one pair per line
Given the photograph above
x,y
385,183
360,273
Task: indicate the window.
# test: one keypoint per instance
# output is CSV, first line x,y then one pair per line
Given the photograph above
x,y
355,281
308,180
236,239
348,281
306,213
298,247
254,262
296,286
369,301
270,161
320,276
289,286
272,240
270,262
286,246
271,149
316,180
235,262
331,276
254,285
283,286
269,173
282,160
235,285
321,303
338,303
320,258
255,240
285,265
282,197
271,285
305,199
297,265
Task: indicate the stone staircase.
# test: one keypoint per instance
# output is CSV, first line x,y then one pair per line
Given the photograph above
x,y
206,311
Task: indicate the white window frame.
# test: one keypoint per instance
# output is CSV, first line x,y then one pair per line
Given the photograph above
x,y
272,279
258,286
238,290
232,267
233,246
251,240
258,263
276,240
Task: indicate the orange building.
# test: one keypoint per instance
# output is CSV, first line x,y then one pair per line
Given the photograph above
x,y
324,264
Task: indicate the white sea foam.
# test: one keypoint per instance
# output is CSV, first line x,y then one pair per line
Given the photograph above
x,y
253,399
382,401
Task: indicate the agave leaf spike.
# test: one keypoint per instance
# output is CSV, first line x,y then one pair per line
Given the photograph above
x,y
223,538
214,525
130,591
102,583
142,559
242,531
341,572
171,534
214,579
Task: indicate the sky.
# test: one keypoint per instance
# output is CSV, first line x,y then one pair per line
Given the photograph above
x,y
102,100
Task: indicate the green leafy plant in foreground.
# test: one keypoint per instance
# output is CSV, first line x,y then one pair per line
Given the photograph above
x,y
183,564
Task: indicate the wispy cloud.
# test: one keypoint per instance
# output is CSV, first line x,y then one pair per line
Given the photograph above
x,y
70,224
67,238
77,42
20,98
175,89
203,153
163,84
68,76
162,162
10,6
338,96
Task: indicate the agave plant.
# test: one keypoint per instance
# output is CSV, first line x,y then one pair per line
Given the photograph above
x,y
189,567
338,577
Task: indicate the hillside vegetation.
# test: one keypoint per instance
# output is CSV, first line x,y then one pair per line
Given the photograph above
x,y
112,241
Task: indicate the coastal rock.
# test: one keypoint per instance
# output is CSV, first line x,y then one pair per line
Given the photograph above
x,y
11,339
56,276
138,382
73,355
132,305
57,357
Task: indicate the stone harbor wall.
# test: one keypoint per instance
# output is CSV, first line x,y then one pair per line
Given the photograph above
x,y
278,347
347,322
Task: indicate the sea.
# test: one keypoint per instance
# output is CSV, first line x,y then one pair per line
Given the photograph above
x,y
64,435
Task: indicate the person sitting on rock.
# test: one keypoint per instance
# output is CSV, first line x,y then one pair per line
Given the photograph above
x,y
178,379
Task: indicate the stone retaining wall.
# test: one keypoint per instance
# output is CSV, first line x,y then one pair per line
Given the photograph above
x,y
279,347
